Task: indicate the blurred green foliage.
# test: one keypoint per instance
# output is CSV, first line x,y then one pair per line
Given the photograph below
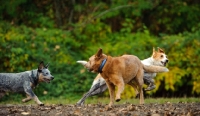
x,y
61,32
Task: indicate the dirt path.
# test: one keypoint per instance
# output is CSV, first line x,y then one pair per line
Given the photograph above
x,y
167,109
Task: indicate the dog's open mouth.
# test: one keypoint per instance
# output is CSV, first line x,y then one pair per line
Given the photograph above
x,y
90,69
164,63
47,80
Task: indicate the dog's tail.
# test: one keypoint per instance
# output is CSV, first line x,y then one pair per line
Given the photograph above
x,y
155,69
82,62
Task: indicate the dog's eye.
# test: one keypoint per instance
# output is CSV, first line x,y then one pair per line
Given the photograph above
x,y
161,56
45,73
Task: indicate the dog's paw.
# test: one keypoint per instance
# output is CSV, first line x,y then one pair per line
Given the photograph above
x,y
24,100
150,88
166,70
137,96
117,100
79,104
41,104
108,107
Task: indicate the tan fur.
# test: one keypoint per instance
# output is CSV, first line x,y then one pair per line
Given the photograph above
x,y
159,57
41,78
119,71
157,54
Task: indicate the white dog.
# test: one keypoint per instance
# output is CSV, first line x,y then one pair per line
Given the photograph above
x,y
158,58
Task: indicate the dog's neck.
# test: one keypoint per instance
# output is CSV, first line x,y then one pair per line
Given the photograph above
x,y
107,65
35,77
151,60
102,65
148,61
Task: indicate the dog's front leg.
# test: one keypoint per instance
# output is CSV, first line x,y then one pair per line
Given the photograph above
x,y
28,90
120,88
94,90
37,101
88,94
111,88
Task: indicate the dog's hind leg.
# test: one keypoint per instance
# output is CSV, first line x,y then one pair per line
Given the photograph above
x,y
28,98
132,84
148,80
140,82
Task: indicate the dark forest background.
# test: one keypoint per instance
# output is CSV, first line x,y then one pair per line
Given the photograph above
x,y
60,32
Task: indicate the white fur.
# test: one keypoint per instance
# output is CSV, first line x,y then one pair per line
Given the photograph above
x,y
152,61
82,62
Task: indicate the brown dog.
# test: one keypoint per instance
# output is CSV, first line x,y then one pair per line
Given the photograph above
x,y
118,71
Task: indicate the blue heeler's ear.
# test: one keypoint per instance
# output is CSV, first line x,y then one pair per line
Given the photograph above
x,y
41,66
39,70
47,65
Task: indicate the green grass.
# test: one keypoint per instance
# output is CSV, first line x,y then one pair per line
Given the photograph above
x,y
96,100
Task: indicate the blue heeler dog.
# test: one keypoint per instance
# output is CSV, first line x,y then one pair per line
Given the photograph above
x,y
25,82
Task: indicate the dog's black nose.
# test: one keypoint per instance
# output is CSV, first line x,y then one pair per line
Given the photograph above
x,y
52,77
167,60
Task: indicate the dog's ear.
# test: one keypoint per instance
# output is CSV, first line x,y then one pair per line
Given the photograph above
x,y
47,65
160,50
99,53
154,51
41,66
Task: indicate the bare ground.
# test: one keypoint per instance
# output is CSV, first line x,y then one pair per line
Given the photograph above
x,y
127,109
